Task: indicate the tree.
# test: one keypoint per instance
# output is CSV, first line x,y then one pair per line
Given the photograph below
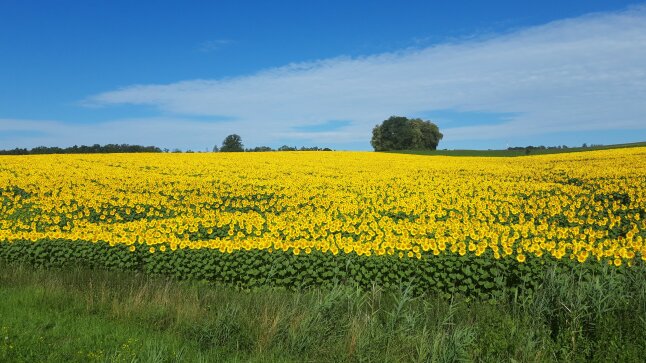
x,y
260,149
216,149
401,133
287,148
232,143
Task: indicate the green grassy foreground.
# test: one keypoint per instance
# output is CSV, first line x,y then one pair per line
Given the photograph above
x,y
82,315
508,153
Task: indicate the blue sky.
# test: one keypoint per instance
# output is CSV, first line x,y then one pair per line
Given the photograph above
x,y
182,74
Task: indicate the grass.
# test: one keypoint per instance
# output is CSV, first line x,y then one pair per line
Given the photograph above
x,y
508,153
79,315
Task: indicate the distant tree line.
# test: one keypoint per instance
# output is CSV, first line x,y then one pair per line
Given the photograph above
x,y
83,149
282,148
233,143
287,148
530,148
541,147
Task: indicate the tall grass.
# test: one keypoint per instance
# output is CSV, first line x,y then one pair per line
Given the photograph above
x,y
83,315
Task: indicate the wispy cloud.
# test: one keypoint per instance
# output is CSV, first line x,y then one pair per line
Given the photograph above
x,y
330,125
213,45
580,74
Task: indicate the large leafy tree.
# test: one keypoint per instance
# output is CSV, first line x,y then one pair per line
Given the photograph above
x,y
401,133
232,143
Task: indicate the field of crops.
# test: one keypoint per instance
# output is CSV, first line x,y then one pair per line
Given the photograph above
x,y
292,219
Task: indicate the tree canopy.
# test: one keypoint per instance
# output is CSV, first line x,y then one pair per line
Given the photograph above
x,y
401,133
232,143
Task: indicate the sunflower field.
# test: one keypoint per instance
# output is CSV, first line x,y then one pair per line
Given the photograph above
x,y
469,225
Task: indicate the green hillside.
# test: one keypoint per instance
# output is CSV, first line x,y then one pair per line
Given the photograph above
x,y
507,153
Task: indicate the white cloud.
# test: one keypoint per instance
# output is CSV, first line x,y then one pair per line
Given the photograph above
x,y
580,74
